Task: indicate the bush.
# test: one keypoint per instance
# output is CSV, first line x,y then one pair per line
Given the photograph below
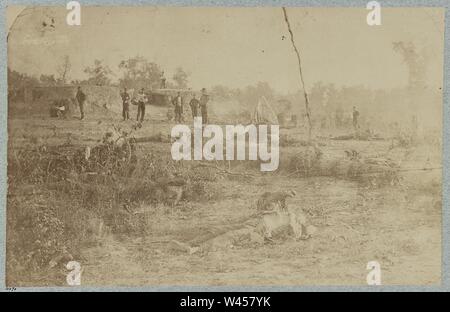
x,y
35,234
68,191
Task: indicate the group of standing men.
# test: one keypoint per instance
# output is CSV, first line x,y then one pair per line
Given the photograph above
x,y
141,100
199,108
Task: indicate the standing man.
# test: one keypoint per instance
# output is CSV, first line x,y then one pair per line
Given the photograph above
x,y
141,100
355,118
125,104
178,104
195,105
163,81
339,117
81,98
203,106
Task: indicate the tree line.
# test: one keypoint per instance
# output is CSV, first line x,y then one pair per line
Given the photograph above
x,y
136,72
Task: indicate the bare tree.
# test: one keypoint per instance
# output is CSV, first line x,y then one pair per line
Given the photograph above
x,y
181,78
414,61
63,70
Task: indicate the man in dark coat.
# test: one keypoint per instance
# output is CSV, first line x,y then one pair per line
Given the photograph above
x,y
195,105
178,105
355,118
81,98
203,106
125,104
141,100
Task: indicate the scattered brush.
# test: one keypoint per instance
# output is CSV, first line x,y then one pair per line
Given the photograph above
x,y
373,172
67,188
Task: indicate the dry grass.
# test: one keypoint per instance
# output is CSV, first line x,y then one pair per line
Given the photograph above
x,y
354,219
55,192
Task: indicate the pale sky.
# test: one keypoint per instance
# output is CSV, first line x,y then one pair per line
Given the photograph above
x,y
234,46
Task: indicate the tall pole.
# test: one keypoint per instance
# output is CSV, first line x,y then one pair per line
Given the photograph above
x,y
308,112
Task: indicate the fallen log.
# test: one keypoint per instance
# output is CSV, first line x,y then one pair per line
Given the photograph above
x,y
161,138
225,171
353,168
358,136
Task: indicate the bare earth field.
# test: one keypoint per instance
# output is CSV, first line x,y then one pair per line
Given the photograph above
x,y
397,225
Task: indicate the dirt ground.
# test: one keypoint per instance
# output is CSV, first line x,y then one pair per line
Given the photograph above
x,y
397,225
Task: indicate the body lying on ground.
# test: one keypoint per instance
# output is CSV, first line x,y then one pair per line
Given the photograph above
x,y
257,230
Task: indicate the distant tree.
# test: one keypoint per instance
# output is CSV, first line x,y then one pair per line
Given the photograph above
x,y
138,73
181,78
222,92
48,80
251,94
319,94
415,62
264,89
17,83
63,70
19,80
99,74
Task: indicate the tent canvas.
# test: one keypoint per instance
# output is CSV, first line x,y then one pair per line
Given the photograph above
x,y
263,113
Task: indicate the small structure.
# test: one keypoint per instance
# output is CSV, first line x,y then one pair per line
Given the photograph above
x,y
163,97
264,114
41,99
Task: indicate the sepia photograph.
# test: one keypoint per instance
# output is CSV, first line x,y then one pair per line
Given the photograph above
x,y
224,146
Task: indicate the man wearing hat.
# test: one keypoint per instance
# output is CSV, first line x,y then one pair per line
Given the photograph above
x,y
125,104
194,104
81,98
178,103
141,100
203,106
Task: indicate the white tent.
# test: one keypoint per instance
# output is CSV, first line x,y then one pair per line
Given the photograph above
x,y
264,114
